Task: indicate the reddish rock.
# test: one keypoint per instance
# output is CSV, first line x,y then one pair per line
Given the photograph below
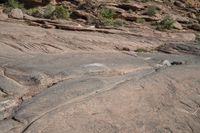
x,y
133,7
16,13
178,26
81,14
134,17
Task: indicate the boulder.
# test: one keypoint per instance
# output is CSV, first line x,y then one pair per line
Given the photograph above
x,y
16,13
166,63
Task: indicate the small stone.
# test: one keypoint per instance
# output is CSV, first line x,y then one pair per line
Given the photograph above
x,y
179,4
17,13
166,63
178,26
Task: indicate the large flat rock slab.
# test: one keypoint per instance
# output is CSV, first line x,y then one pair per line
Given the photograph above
x,y
104,92
71,81
159,102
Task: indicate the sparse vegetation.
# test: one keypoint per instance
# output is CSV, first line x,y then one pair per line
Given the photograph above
x,y
14,4
166,23
48,11
140,20
60,12
108,17
107,13
151,11
141,50
36,12
119,22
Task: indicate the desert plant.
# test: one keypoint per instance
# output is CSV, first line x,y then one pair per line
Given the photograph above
x,y
14,4
107,13
141,50
36,12
166,23
119,22
140,20
48,11
106,17
61,12
151,11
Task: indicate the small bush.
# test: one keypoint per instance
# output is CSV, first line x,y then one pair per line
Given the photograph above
x,y
36,12
140,20
107,13
15,4
107,18
48,11
151,11
119,22
141,50
60,13
166,23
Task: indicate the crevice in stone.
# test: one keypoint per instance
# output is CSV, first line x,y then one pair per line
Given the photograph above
x,y
17,120
3,91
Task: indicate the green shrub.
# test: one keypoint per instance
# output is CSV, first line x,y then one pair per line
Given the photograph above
x,y
140,20
48,11
166,23
36,12
106,17
107,13
141,50
15,4
60,12
151,11
119,22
